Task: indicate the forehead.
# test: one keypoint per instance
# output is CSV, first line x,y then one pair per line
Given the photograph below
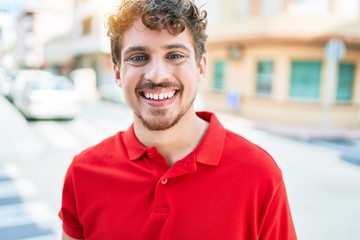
x,y
139,35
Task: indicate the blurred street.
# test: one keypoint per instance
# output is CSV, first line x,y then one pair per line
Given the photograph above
x,y
285,63
322,176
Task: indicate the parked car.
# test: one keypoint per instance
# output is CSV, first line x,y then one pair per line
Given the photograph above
x,y
48,97
111,92
24,76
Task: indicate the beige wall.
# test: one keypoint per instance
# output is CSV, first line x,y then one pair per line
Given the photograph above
x,y
240,75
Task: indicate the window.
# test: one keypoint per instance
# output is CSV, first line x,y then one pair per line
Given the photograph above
x,y
345,82
264,77
219,75
86,26
271,7
306,7
305,79
243,7
350,8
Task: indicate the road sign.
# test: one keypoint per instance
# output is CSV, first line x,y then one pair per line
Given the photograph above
x,y
335,49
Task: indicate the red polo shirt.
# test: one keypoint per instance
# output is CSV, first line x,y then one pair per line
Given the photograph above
x,y
227,188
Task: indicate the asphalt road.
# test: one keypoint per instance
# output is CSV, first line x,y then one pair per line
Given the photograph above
x,y
322,177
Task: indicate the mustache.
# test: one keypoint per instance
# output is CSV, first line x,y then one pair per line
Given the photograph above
x,y
152,85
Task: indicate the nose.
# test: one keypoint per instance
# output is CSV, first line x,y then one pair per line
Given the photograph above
x,y
157,70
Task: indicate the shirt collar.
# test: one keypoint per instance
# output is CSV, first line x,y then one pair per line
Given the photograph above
x,y
207,152
134,147
210,148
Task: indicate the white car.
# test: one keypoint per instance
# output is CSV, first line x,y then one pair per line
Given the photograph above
x,y
24,76
48,98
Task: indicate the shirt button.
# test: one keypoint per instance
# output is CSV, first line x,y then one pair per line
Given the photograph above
x,y
164,181
150,154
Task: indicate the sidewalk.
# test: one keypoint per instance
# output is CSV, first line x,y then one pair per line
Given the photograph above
x,y
297,132
309,133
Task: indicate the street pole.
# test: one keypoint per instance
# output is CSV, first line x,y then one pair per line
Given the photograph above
x,y
334,50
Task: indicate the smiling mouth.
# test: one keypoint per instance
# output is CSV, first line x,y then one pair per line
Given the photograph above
x,y
159,96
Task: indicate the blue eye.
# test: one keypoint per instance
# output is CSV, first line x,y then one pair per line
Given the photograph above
x,y
138,58
175,56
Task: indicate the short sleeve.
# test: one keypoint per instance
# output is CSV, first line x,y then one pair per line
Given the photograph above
x,y
68,212
278,223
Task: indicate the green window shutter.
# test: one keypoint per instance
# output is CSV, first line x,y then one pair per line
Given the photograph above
x,y
305,79
345,82
219,75
264,77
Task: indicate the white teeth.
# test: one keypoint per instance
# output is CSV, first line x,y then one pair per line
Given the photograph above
x,y
170,94
160,96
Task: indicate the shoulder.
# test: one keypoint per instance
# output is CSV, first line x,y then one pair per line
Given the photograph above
x,y
105,151
246,156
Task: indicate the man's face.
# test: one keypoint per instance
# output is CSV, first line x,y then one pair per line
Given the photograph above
x,y
159,75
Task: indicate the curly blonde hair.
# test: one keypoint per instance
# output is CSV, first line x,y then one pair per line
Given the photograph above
x,y
171,15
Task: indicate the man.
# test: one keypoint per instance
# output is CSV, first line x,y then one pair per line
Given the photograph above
x,y
174,174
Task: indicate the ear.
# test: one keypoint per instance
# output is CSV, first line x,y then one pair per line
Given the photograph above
x,y
202,67
117,75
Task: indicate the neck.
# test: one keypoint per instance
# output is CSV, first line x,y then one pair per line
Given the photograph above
x,y
178,141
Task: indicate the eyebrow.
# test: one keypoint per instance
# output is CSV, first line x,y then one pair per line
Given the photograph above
x,y
135,49
175,46
166,47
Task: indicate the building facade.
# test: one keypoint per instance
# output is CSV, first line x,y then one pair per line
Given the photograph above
x,y
38,21
90,46
7,36
267,61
